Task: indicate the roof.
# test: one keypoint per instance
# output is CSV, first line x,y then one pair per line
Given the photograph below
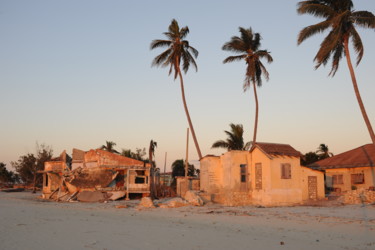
x,y
363,156
277,149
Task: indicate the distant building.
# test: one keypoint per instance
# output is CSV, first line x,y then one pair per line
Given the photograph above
x,y
165,179
354,169
269,174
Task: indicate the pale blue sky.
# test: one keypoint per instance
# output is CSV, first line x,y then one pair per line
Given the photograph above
x,y
78,73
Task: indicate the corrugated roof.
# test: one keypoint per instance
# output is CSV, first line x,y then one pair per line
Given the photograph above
x,y
277,149
363,156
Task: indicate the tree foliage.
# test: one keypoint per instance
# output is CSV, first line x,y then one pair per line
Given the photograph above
x,y
323,152
110,147
178,50
178,169
28,165
139,154
246,47
340,19
309,158
235,139
7,176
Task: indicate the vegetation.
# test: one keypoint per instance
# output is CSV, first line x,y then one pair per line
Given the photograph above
x,y
340,19
234,140
28,165
247,48
139,154
178,169
309,158
178,50
110,147
7,176
323,152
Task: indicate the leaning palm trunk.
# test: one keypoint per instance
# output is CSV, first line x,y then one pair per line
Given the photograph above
x,y
356,90
256,115
187,114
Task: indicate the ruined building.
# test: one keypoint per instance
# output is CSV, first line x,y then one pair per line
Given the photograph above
x,y
94,175
269,174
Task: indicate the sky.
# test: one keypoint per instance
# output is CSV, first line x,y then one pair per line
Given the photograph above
x,y
75,74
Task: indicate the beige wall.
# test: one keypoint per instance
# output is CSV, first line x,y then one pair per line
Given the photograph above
x,y
275,190
211,174
306,172
369,174
231,162
221,178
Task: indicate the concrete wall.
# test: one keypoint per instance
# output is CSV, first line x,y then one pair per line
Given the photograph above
x,y
211,174
306,172
99,157
275,190
221,178
369,174
231,162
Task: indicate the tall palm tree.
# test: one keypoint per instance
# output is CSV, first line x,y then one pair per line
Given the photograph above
x,y
247,47
340,19
178,50
323,151
234,140
110,147
151,154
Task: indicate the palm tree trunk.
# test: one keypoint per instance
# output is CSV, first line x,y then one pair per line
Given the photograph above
x,y
256,114
188,115
356,91
152,176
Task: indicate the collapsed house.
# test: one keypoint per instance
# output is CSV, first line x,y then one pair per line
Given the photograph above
x,y
269,174
94,175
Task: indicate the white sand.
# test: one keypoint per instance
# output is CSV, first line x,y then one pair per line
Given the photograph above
x,y
29,223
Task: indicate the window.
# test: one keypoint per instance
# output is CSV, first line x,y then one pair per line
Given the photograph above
x,y
286,171
337,179
140,180
243,172
358,178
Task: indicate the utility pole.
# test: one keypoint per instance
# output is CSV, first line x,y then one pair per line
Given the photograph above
x,y
165,162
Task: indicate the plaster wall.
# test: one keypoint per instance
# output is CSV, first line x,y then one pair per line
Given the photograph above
x,y
306,172
231,162
211,174
369,175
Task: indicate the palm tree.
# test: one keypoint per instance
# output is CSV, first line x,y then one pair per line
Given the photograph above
x,y
110,147
247,48
234,140
340,19
151,153
177,50
323,151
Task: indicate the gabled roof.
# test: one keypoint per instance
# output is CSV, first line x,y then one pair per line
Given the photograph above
x,y
276,149
363,156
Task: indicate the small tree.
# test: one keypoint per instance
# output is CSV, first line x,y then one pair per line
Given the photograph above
x,y
309,158
178,169
6,176
28,165
139,154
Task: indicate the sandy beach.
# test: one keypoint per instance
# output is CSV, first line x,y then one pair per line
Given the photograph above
x,y
28,222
